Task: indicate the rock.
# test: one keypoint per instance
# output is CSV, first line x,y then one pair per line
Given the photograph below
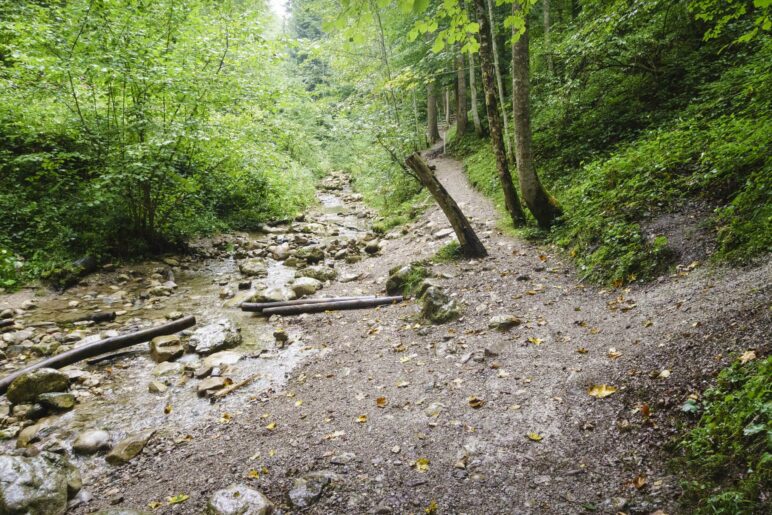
x,y
168,368
227,293
343,458
38,485
254,267
303,286
308,489
121,511
57,400
6,314
398,279
347,278
159,291
238,499
438,307
171,261
91,441
166,348
156,387
504,322
27,387
373,247
129,447
280,252
278,294
211,384
29,304
214,337
245,285
174,315
319,272
442,233
311,253
46,348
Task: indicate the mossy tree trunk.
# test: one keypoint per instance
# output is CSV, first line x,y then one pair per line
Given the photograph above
x,y
431,113
461,111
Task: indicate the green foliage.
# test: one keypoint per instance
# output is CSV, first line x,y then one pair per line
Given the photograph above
x,y
7,269
448,253
727,457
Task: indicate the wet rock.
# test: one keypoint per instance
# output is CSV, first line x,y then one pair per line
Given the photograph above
x,y
159,291
166,348
245,285
348,278
6,314
38,485
239,499
174,315
311,254
211,384
46,348
308,489
253,267
156,387
319,272
57,400
168,368
215,337
303,286
278,294
29,304
438,307
280,252
227,293
504,322
373,247
91,442
129,447
28,386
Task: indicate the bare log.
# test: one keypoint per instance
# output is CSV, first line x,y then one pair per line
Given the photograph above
x,y
333,306
101,347
471,246
260,306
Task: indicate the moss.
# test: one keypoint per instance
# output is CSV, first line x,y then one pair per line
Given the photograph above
x,y
448,253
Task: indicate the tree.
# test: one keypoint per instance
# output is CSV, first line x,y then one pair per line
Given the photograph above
x,y
431,112
473,93
461,111
497,68
543,206
492,104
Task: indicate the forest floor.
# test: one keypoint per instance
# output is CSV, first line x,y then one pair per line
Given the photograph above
x,y
404,417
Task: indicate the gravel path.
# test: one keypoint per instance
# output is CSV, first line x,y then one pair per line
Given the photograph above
x,y
408,418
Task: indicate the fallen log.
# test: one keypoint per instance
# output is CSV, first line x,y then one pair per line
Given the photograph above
x,y
259,306
101,347
333,306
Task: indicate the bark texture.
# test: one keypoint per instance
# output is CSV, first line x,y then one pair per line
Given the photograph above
x,y
431,113
461,110
473,92
497,68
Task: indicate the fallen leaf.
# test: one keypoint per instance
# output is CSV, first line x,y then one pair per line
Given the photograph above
x,y
225,418
582,350
381,402
271,426
601,390
648,323
154,505
432,509
536,437
535,341
253,474
664,374
362,419
475,402
613,353
176,499
747,356
167,409
421,465
645,410
639,481
403,384
514,407
298,403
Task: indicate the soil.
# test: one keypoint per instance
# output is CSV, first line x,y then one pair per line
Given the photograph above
x,y
407,417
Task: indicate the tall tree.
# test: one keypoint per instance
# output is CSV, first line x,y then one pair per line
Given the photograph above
x,y
461,111
492,104
547,26
431,112
473,93
497,69
543,206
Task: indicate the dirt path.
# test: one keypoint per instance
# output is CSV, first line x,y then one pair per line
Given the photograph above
x,y
383,409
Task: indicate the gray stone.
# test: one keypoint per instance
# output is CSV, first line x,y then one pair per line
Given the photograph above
x,y
442,233
166,348
308,489
254,267
373,247
129,447
27,387
37,485
238,499
156,387
504,322
91,441
214,337
168,368
303,286
57,400
312,254
438,307
276,294
211,384
319,272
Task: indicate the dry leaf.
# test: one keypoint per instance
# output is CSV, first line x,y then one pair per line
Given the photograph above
x,y
601,390
432,509
362,419
381,402
645,410
271,426
536,437
639,481
154,505
535,341
582,350
475,402
253,474
298,403
613,354
167,409
747,356
225,418
421,465
664,374
176,499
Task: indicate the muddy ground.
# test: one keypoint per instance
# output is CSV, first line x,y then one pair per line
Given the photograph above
x,y
402,416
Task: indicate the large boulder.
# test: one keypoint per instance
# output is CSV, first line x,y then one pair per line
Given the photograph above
x,y
253,267
319,272
129,447
39,485
438,307
303,286
239,499
27,387
214,337
404,277
166,348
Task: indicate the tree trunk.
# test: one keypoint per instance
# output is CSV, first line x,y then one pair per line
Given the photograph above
x,y
473,91
431,113
547,45
471,246
461,111
332,306
543,206
492,104
497,68
100,347
447,108
260,306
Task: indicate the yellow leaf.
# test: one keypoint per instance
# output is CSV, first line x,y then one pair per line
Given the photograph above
x,y
582,350
225,418
535,341
432,509
167,409
381,402
664,374
264,471
422,465
177,499
475,402
154,505
613,354
253,474
298,403
362,419
536,437
747,356
601,390
271,426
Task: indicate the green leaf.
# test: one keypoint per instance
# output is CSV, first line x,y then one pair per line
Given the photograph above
x,y
438,45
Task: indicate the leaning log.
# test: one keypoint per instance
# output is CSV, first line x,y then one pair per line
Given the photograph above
x,y
101,347
471,246
259,306
333,306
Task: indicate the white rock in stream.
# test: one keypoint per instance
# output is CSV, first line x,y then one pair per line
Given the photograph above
x,y
214,337
303,286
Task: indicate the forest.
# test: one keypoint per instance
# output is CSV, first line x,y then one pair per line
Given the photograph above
x,y
608,169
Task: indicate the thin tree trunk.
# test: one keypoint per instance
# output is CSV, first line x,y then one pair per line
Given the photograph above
x,y
447,107
385,58
461,111
492,104
431,113
547,44
471,246
473,92
332,306
499,81
543,206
